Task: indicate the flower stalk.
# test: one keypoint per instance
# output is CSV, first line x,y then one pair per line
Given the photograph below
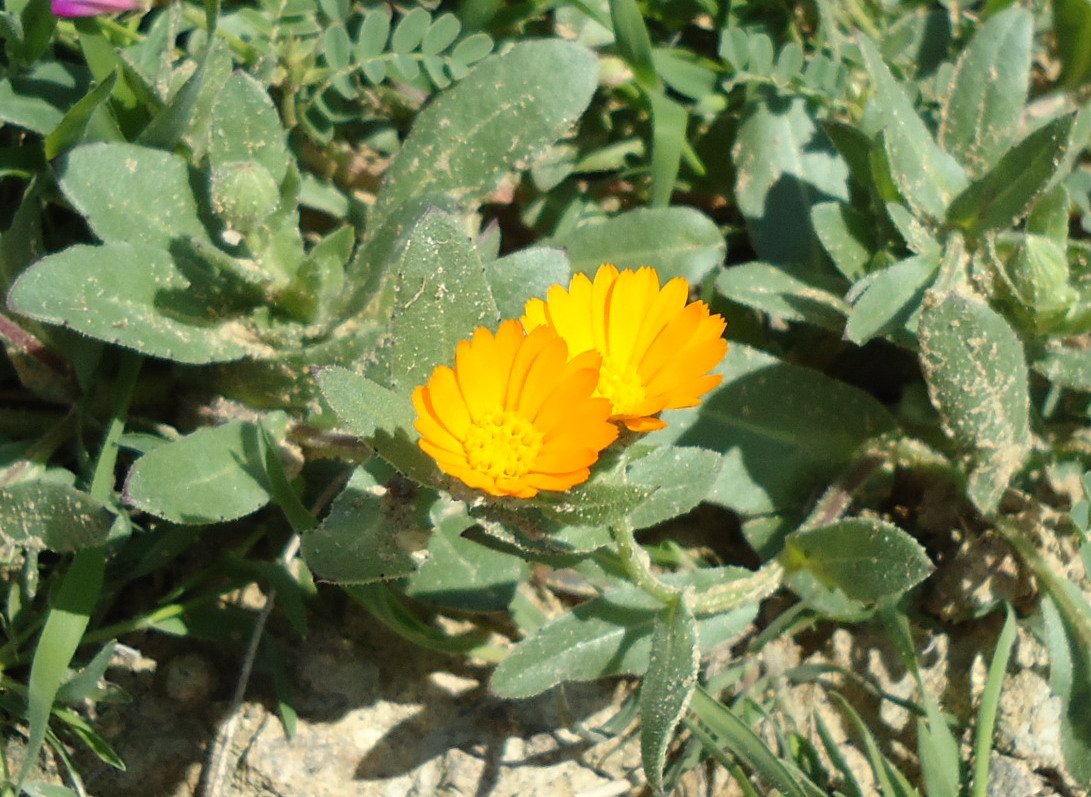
x,y
637,564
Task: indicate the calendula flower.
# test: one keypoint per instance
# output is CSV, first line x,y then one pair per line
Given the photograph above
x,y
656,349
515,415
90,8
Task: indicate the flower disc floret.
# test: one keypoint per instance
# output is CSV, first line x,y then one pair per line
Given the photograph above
x,y
515,415
656,349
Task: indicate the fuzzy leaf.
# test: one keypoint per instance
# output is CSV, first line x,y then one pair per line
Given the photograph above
x,y
677,242
245,126
495,121
149,199
1009,190
774,290
525,274
668,685
784,166
984,105
977,379
610,635
374,532
868,560
442,297
134,296
463,574
212,475
890,299
782,429
378,414
681,478
926,176
52,516
846,236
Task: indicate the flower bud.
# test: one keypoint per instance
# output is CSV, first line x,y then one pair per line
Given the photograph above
x,y
243,193
1038,274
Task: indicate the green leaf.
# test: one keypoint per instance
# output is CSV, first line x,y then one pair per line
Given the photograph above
x,y
782,429
1066,623
525,274
149,199
681,478
38,99
52,516
846,236
599,502
890,299
685,72
212,475
633,42
668,685
472,49
463,574
926,176
1049,216
86,684
719,726
774,290
245,126
676,242
1072,29
784,166
868,560
1066,366
374,532
86,121
1010,189
410,30
186,115
990,703
379,415
364,406
496,120
977,379
442,296
441,34
69,612
134,296
669,120
371,40
983,107
610,635
890,781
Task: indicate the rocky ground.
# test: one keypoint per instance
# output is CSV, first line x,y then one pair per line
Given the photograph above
x,y
380,716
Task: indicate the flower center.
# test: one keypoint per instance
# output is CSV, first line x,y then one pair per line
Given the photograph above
x,y
502,444
622,385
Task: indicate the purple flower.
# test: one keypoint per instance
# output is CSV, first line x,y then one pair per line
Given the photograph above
x,y
89,8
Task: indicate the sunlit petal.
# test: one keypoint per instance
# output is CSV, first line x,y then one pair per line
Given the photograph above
x,y
656,350
485,422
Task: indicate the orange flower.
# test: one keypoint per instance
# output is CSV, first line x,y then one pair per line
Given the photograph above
x,y
656,350
515,415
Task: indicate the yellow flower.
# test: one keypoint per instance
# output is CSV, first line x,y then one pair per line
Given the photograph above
x,y
656,349
515,415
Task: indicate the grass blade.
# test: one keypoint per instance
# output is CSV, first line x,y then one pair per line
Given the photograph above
x,y
990,700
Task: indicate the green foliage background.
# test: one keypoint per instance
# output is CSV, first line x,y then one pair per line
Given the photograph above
x,y
235,238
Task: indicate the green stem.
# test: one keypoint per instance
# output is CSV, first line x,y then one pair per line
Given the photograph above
x,y
102,482
144,621
637,564
751,589
196,17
